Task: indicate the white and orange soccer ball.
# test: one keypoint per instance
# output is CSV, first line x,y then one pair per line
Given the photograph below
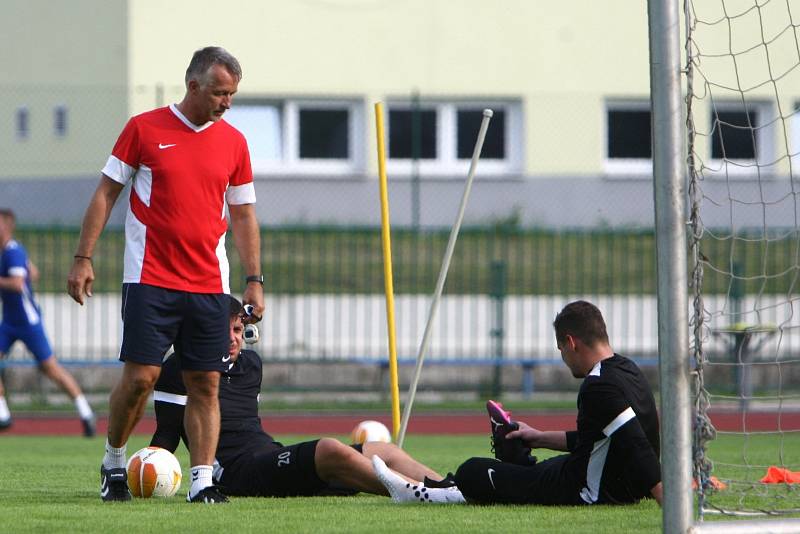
x,y
154,471
370,431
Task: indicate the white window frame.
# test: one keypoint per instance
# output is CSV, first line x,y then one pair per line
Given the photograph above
x,y
744,168
794,139
290,162
625,167
446,163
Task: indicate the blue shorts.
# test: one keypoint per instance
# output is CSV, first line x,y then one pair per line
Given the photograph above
x,y
32,336
155,318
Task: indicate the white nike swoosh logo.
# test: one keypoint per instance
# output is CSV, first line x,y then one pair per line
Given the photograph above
x,y
491,471
225,358
162,147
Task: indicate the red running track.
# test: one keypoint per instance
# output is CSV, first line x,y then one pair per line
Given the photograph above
x,y
441,423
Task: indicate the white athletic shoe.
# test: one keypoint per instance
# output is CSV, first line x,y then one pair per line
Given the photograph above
x,y
403,491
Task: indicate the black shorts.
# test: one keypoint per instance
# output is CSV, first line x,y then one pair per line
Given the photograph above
x,y
289,471
487,480
155,318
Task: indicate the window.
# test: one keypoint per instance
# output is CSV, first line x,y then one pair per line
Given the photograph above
x,y
412,134
301,136
628,139
443,134
741,138
22,123
468,124
60,121
734,136
324,133
261,126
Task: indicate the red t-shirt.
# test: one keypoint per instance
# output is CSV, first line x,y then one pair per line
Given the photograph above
x,y
182,176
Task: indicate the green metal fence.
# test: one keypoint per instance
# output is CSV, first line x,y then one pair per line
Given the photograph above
x,y
325,296
337,260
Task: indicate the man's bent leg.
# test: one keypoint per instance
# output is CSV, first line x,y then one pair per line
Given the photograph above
x,y
5,414
339,463
56,372
486,480
400,461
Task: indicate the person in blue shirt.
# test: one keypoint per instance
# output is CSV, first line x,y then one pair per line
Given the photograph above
x,y
22,321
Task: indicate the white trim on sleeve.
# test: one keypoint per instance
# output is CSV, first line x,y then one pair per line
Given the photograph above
x,y
619,420
241,194
22,272
118,170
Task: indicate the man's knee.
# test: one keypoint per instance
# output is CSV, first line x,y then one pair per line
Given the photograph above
x,y
139,379
332,451
388,452
472,477
49,367
331,457
201,383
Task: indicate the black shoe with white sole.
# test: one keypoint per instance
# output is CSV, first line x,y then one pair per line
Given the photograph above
x,y
208,495
114,484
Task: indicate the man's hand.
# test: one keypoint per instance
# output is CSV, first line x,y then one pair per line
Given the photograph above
x,y
529,435
657,492
539,439
254,295
80,280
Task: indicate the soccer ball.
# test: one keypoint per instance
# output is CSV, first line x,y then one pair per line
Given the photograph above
x,y
370,431
154,471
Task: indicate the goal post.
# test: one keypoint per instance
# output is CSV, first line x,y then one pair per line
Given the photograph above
x,y
730,146
669,197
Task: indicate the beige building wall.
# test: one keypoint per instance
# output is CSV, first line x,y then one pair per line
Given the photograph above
x,y
72,54
559,59
107,59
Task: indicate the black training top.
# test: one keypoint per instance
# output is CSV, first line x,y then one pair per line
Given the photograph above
x,y
239,387
614,453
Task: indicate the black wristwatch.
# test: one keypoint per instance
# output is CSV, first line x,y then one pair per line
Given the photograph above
x,y
255,278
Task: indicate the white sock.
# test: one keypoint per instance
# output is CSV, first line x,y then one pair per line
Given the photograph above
x,y
4,413
84,410
201,478
115,457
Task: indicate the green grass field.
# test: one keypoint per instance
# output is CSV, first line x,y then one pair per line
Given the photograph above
x,y
50,484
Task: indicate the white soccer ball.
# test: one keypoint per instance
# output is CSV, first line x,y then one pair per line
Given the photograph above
x,y
154,471
371,431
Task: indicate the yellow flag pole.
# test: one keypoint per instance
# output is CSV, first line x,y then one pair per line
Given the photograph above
x,y
387,271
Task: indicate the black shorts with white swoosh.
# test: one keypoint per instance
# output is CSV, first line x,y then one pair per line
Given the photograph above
x,y
155,318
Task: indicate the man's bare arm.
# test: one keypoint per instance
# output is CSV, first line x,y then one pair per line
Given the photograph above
x,y
247,237
15,284
540,439
81,276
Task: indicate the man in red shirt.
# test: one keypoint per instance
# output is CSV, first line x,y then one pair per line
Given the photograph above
x,y
186,164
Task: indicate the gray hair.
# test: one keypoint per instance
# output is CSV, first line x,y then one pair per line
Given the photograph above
x,y
205,58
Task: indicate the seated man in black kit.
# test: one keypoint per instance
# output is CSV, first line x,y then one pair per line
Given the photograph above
x,y
251,463
612,457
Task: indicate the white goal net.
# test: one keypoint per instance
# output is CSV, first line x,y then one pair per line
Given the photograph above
x,y
743,121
